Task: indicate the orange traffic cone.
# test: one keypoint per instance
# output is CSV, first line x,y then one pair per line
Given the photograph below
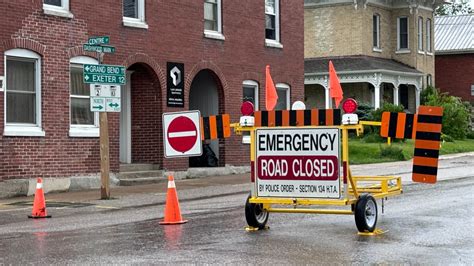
x,y
39,205
172,211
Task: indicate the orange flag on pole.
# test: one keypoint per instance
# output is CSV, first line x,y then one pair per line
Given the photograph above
x,y
335,88
271,95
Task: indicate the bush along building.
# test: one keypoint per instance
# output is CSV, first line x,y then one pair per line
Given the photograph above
x,y
212,53
382,50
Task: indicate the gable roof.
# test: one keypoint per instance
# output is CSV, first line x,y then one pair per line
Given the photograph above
x,y
454,34
355,63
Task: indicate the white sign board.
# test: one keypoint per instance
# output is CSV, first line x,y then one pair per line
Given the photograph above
x,y
182,134
298,162
105,98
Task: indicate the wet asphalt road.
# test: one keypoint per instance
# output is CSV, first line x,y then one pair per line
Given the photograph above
x,y
426,225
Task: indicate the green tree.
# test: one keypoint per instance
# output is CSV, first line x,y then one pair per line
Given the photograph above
x,y
456,8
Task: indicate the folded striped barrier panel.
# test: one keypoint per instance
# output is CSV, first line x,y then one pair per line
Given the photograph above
x,y
313,117
215,127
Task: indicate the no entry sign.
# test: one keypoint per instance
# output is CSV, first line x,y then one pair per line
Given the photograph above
x,y
298,162
182,134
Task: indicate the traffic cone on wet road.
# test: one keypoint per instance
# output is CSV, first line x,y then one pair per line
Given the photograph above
x,y
39,205
172,211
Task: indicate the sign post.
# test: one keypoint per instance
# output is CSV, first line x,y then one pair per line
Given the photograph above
x,y
105,97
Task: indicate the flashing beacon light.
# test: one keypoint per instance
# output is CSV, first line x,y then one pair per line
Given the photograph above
x,y
247,108
349,106
349,118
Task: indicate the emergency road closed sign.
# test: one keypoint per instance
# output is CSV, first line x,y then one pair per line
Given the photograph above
x,y
297,162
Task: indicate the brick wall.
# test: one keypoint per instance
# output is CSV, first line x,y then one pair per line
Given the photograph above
x,y
455,74
175,34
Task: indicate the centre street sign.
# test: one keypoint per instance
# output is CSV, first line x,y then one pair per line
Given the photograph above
x,y
99,49
99,40
104,74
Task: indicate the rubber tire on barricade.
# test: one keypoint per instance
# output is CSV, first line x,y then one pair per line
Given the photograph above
x,y
255,215
365,213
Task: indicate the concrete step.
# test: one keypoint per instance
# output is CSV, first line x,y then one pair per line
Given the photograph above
x,y
134,167
142,181
140,174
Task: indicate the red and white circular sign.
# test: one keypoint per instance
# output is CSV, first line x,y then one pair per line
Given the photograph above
x,y
182,134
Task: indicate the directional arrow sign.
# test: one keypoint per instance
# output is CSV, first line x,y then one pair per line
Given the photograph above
x,y
99,40
104,74
99,49
97,104
113,105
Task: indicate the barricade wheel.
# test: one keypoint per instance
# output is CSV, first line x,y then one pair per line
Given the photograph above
x,y
255,215
366,213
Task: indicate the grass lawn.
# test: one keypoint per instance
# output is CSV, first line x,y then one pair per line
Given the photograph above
x,y
361,152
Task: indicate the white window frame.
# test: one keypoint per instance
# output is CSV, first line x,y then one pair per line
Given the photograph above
x,y
90,131
275,43
376,48
472,89
284,86
60,11
21,129
136,22
216,34
429,80
254,84
428,37
420,35
399,49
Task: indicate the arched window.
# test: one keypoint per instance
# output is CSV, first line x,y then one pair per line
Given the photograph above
x,y
83,122
22,93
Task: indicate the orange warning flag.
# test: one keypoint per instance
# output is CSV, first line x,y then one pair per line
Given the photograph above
x,y
335,88
271,95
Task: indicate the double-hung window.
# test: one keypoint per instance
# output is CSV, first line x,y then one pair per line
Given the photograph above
x,y
134,14
272,23
402,33
420,34
213,19
376,32
250,92
428,35
57,8
283,92
84,123
23,93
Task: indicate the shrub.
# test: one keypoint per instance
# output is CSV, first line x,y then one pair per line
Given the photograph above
x,y
376,115
363,111
470,135
456,117
393,152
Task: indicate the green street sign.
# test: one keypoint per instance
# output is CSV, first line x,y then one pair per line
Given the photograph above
x,y
99,49
98,40
104,79
104,74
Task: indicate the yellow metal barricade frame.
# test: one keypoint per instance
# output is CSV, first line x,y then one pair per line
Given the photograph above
x,y
379,187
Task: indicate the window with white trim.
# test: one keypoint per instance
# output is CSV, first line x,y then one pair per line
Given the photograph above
x,y
429,80
402,33
272,23
134,13
420,34
428,35
250,92
22,93
472,89
376,31
283,92
83,122
57,8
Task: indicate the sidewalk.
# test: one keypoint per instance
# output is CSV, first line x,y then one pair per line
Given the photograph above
x,y
450,167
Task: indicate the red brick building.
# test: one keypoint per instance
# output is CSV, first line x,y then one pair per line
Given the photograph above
x,y
48,130
454,50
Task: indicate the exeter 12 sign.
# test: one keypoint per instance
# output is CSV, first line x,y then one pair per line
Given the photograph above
x,y
104,74
182,134
298,162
